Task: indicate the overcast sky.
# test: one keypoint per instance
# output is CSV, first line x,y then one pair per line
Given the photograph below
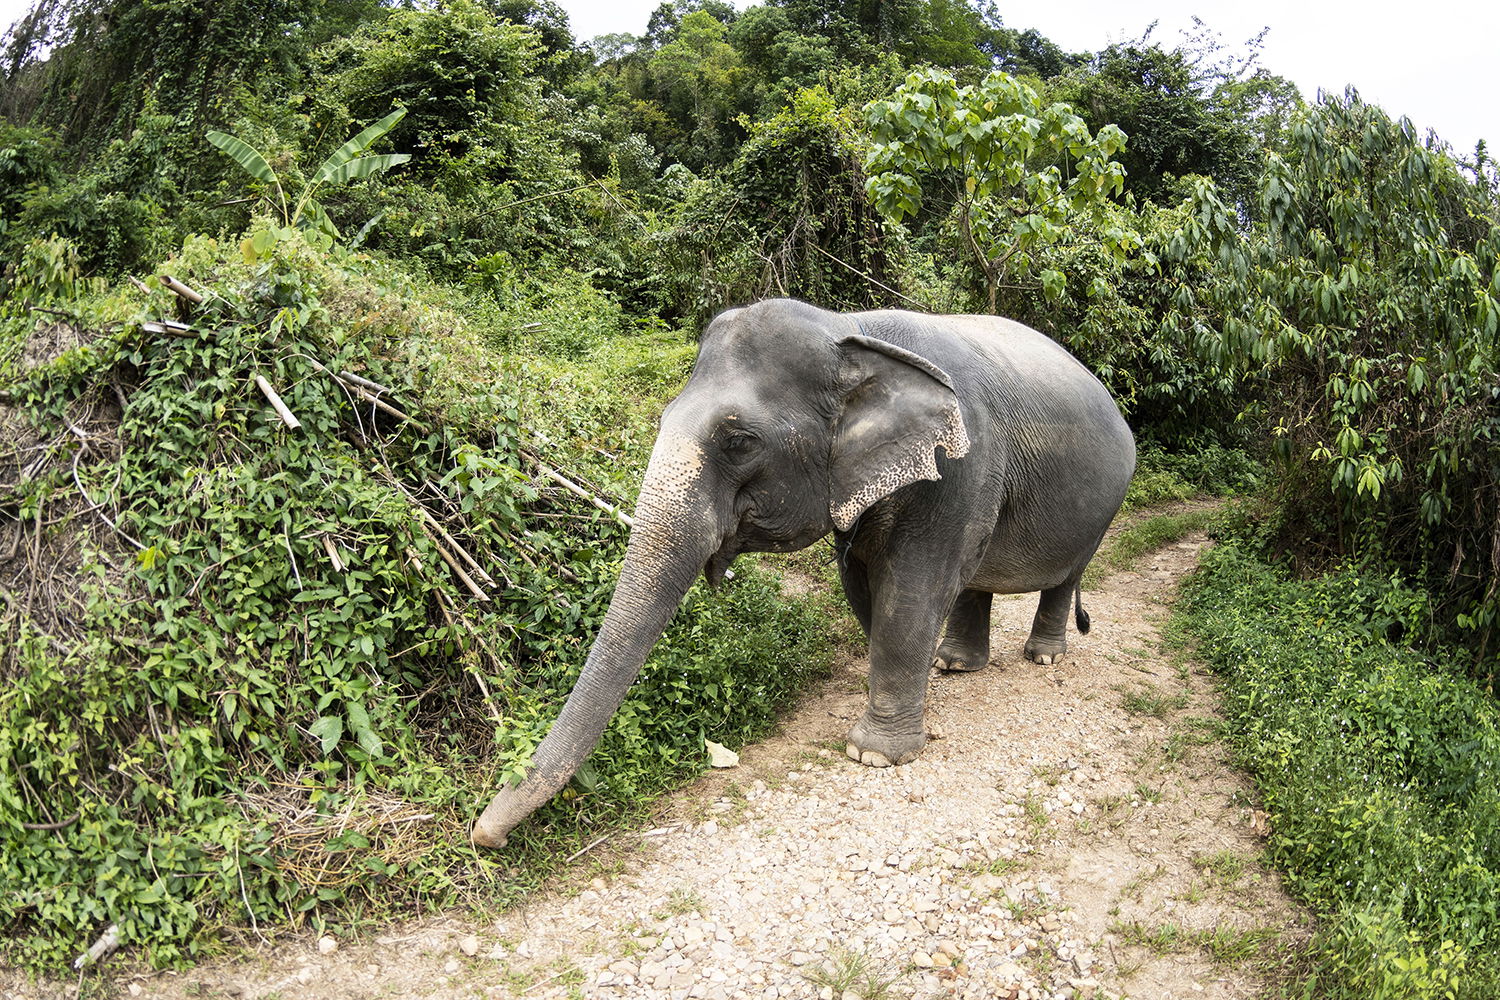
x,y
1436,62
1439,69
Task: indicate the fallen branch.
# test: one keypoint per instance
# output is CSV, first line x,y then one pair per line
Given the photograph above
x,y
276,403
181,290
578,854
484,688
458,570
452,543
354,385
574,488
108,942
59,825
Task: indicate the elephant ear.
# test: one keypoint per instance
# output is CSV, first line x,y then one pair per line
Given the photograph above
x,y
897,408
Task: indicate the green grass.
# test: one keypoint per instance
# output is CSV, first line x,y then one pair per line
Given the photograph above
x,y
1224,946
858,972
1141,537
1379,770
1148,699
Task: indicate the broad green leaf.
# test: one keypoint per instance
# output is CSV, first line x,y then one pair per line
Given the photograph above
x,y
365,166
245,155
354,147
329,730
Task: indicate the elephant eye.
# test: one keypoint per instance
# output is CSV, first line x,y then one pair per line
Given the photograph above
x,y
738,444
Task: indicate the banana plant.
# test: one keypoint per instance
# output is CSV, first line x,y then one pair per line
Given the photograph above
x,y
348,163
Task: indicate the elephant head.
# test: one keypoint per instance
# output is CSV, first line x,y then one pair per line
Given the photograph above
x,y
792,423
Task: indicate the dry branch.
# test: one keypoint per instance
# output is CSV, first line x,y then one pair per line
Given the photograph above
x,y
484,688
356,385
452,543
276,403
458,570
108,942
574,488
59,825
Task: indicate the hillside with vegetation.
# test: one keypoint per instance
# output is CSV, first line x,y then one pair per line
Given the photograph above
x,y
332,337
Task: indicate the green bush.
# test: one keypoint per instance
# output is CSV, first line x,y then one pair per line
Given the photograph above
x,y
1163,476
1377,766
226,726
1364,307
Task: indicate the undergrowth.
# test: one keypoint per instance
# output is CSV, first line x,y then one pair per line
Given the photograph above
x,y
1378,768
255,694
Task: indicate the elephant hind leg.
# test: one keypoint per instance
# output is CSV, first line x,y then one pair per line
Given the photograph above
x,y
966,642
1049,629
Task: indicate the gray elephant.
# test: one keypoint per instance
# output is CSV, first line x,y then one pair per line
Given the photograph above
x,y
797,422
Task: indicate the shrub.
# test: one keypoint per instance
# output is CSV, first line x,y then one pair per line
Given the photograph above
x,y
1377,766
269,701
1366,307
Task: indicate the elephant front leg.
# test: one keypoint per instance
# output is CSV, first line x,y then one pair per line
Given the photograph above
x,y
891,731
966,642
1049,629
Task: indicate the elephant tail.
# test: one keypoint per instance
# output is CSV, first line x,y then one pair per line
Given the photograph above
x,y
1080,616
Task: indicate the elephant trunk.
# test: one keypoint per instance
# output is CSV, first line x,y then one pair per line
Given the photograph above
x,y
674,535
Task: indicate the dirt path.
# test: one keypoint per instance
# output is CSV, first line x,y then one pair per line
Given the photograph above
x,y
1074,834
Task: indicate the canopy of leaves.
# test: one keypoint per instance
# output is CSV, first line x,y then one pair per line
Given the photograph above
x,y
1367,302
1014,172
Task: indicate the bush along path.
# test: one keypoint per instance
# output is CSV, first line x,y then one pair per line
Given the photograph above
x,y
1074,832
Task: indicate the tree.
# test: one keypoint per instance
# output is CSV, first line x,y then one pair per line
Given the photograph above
x,y
466,80
1175,127
1366,302
1018,175
698,76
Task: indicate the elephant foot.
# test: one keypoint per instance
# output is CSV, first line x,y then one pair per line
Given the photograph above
x,y
1046,653
874,748
950,661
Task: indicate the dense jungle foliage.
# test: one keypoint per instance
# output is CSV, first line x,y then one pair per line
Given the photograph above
x,y
240,685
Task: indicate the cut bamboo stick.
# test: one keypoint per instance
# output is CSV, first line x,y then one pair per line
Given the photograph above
x,y
452,543
353,384
458,571
574,488
180,289
276,403
484,688
175,329
381,404
333,554
361,380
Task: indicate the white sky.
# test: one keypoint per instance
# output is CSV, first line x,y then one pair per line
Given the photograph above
x,y
1436,63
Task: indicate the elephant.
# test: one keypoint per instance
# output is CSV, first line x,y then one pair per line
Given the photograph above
x,y
797,422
